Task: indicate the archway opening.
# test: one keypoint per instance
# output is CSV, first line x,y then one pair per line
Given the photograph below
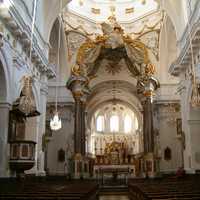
x,y
113,124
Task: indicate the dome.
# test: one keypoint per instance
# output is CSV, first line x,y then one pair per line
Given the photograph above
x,y
124,10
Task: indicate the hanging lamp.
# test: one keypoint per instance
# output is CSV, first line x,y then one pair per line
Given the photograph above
x,y
55,122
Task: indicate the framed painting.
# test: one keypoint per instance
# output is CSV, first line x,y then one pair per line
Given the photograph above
x,y
179,126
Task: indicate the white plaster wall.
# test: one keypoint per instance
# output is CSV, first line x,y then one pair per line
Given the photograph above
x,y
62,138
191,127
16,65
168,138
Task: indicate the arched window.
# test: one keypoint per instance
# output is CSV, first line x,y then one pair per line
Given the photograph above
x,y
100,123
127,124
136,126
114,123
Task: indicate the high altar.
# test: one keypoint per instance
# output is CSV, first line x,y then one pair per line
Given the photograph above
x,y
116,158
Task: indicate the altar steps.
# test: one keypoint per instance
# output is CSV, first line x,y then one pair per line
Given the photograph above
x,y
113,190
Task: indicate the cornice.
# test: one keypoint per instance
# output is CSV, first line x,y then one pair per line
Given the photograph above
x,y
5,105
97,23
16,25
194,17
27,30
184,58
29,18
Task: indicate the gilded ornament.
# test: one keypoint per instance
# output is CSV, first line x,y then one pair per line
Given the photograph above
x,y
148,93
150,69
76,70
89,44
96,11
129,10
101,39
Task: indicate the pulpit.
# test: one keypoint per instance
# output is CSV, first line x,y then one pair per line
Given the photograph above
x,y
22,156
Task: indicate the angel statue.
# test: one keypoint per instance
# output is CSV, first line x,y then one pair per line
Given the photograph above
x,y
113,31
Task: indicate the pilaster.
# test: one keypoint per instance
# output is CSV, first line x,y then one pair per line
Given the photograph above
x,y
4,146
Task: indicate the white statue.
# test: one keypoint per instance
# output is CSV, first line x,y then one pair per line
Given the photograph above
x,y
114,32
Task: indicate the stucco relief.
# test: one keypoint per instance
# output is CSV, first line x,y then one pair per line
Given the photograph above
x,y
74,40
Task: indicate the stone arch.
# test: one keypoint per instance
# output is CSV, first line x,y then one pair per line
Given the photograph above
x,y
177,11
4,112
4,78
168,50
64,70
3,84
50,13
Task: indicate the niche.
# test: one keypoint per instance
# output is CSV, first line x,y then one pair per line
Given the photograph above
x,y
168,154
61,155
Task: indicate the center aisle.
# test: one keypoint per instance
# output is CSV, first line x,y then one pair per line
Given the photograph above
x,y
113,197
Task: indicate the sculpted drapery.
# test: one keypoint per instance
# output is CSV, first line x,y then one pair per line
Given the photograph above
x,y
113,41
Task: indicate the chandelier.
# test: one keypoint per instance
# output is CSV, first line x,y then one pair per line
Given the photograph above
x,y
55,122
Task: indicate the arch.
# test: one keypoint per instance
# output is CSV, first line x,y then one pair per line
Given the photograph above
x,y
132,107
3,87
50,13
168,51
127,123
100,123
167,154
4,78
177,11
4,111
114,123
64,70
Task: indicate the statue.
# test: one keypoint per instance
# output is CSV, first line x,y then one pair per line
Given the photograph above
x,y
114,33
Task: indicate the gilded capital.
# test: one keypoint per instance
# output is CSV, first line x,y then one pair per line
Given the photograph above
x,y
78,86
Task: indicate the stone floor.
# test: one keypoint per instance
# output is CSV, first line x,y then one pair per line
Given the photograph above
x,y
113,197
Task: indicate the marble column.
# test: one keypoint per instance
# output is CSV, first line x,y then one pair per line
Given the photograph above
x,y
82,128
148,125
77,84
77,126
4,147
42,126
83,122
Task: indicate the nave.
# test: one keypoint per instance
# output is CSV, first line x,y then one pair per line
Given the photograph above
x,y
174,187
99,98
112,197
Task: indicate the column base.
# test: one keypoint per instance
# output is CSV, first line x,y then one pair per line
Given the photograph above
x,y
41,173
150,165
81,167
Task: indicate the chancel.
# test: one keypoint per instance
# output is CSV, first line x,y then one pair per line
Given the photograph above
x,y
99,99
